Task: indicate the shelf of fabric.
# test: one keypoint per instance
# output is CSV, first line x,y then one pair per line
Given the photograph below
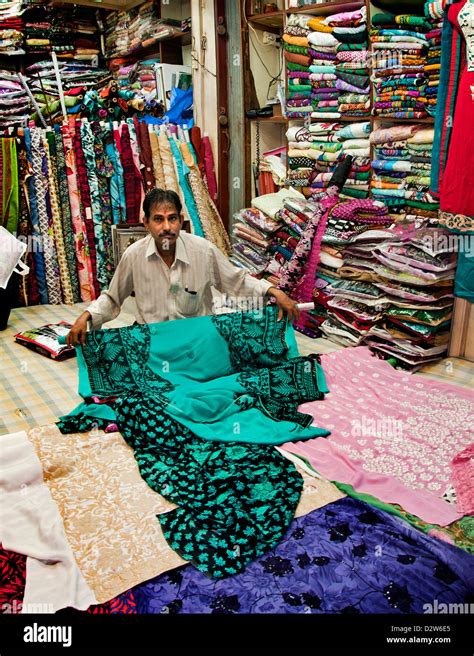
x,y
166,45
271,21
326,8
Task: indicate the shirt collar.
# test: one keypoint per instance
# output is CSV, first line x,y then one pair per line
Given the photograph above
x,y
181,253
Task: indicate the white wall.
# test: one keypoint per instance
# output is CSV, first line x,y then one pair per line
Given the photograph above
x,y
271,57
204,83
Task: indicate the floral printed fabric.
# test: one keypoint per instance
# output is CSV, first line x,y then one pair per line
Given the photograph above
x,y
346,557
84,270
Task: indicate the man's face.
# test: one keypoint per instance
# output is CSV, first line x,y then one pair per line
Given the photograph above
x,y
164,224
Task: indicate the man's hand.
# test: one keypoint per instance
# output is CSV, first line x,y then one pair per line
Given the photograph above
x,y
77,334
285,304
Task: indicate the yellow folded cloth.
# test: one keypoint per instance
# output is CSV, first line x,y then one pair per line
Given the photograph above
x,y
318,25
296,40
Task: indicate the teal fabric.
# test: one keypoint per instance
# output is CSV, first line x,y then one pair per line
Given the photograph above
x,y
190,203
464,280
235,377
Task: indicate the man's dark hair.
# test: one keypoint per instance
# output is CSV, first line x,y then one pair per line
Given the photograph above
x,y
160,197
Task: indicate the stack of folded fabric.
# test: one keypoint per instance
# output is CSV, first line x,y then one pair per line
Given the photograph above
x,y
434,12
344,282
354,140
251,237
339,67
314,151
401,169
14,102
127,32
416,277
68,33
296,48
352,62
11,29
116,34
37,33
400,45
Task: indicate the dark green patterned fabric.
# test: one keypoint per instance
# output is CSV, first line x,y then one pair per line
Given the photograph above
x,y
202,402
235,501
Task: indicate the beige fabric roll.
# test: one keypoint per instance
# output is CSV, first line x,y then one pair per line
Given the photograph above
x,y
169,171
157,163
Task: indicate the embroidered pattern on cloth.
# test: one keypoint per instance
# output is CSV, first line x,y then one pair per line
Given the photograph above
x,y
402,442
466,23
327,563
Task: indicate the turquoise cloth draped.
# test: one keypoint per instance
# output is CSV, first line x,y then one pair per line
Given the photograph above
x,y
235,377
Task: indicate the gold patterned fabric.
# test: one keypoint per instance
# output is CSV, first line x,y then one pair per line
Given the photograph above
x,y
157,163
169,171
210,218
109,512
456,221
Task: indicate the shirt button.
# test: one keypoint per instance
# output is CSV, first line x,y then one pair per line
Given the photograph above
x,y
153,331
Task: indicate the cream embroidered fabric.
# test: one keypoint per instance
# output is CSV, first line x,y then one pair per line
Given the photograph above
x,y
109,512
466,23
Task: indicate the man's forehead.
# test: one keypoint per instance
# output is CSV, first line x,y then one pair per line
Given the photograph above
x,y
163,208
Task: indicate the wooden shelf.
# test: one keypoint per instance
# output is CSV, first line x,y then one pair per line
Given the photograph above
x,y
268,119
340,119
327,8
271,21
387,119
116,5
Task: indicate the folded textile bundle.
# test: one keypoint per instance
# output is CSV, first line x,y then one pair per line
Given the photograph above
x,y
326,77
434,12
11,33
138,28
14,102
315,150
393,293
402,167
71,33
252,231
401,45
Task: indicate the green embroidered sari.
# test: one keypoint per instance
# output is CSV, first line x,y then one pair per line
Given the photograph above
x,y
201,401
